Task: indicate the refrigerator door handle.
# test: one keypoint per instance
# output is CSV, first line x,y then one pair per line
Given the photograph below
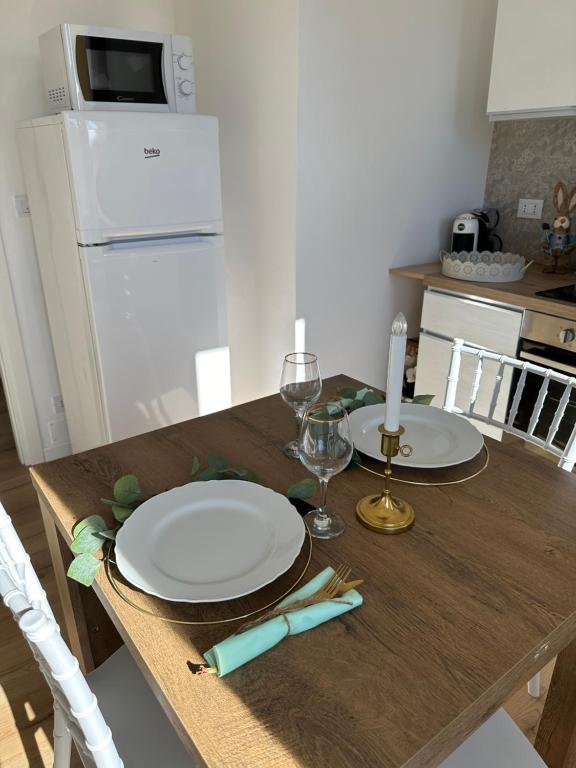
x,y
139,237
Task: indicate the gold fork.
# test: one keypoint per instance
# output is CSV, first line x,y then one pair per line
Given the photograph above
x,y
330,589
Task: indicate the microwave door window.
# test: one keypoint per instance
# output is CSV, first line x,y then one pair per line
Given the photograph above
x,y
110,69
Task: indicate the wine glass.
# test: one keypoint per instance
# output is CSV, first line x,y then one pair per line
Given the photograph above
x,y
325,449
300,386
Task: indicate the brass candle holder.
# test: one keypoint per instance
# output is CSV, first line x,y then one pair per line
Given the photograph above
x,y
386,513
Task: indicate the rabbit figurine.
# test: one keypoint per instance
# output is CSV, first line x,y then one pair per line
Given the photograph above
x,y
558,243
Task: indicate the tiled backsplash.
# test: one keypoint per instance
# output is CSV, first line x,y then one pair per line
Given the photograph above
x,y
527,158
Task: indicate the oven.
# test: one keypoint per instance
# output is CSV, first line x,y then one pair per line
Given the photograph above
x,y
550,342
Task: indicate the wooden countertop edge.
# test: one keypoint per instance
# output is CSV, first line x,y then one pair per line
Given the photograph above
x,y
430,275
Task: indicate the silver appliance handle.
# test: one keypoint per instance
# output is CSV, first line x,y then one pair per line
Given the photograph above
x,y
570,370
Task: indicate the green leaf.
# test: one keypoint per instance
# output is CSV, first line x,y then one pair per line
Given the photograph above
x,y
347,393
195,465
86,541
92,522
84,568
233,472
373,398
423,399
110,502
121,512
216,462
355,404
209,474
346,402
240,474
127,490
108,534
302,490
361,394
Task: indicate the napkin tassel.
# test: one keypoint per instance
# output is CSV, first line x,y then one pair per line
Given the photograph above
x,y
201,669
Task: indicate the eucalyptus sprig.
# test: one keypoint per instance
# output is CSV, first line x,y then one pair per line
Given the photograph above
x,y
351,399
92,533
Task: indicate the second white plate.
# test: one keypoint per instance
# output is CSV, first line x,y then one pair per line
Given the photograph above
x,y
209,541
438,438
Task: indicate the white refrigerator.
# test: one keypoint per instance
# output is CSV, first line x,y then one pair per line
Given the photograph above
x,y
127,219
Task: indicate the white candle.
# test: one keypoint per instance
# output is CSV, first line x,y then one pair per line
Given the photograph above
x,y
396,357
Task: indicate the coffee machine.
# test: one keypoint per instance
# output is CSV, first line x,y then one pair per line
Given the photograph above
x,y
474,231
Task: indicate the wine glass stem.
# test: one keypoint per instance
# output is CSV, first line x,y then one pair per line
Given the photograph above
x,y
322,515
299,413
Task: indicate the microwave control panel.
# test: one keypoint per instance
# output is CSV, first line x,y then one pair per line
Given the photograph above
x,y
183,68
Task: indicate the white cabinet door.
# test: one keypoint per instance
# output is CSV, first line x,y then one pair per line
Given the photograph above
x,y
158,314
482,325
135,175
534,59
433,363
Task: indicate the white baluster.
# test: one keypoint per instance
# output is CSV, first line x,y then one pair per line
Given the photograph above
x,y
476,383
517,395
453,375
569,456
560,410
497,386
62,738
539,403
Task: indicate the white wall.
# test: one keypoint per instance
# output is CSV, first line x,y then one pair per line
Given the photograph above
x,y
21,98
246,54
393,142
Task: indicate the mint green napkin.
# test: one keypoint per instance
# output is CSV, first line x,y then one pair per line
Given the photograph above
x,y
238,649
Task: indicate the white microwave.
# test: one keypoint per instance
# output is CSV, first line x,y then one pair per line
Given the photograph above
x,y
87,67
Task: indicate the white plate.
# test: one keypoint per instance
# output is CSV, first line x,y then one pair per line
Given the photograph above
x,y
209,541
438,438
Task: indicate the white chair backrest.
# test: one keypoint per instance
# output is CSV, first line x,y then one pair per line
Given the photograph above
x,y
75,706
459,349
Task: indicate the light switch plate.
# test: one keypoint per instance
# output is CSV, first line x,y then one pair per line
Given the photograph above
x,y
529,209
21,205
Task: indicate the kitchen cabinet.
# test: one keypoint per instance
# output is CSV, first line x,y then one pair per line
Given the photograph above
x,y
446,316
534,60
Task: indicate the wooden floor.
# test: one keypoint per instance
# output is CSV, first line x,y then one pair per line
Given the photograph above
x,y
25,702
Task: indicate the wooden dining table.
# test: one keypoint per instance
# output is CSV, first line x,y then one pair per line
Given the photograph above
x,y
458,612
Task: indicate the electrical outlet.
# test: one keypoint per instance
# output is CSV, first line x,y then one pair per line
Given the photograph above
x,y
21,205
58,432
57,404
529,209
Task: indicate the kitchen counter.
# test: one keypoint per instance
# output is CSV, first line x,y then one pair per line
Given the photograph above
x,y
519,294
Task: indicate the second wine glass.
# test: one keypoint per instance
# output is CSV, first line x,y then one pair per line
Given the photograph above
x,y
300,387
325,449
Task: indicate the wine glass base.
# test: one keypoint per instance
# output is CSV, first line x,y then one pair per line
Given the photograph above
x,y
291,450
324,528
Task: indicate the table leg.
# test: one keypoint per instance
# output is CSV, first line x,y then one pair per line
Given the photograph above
x,y
68,591
556,737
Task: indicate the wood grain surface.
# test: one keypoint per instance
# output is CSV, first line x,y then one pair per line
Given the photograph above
x,y
519,294
458,612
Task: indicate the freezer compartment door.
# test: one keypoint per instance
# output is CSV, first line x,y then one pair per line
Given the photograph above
x,y
158,315
143,175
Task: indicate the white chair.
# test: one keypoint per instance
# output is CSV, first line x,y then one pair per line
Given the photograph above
x,y
498,743
567,455
123,705
143,737
459,349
